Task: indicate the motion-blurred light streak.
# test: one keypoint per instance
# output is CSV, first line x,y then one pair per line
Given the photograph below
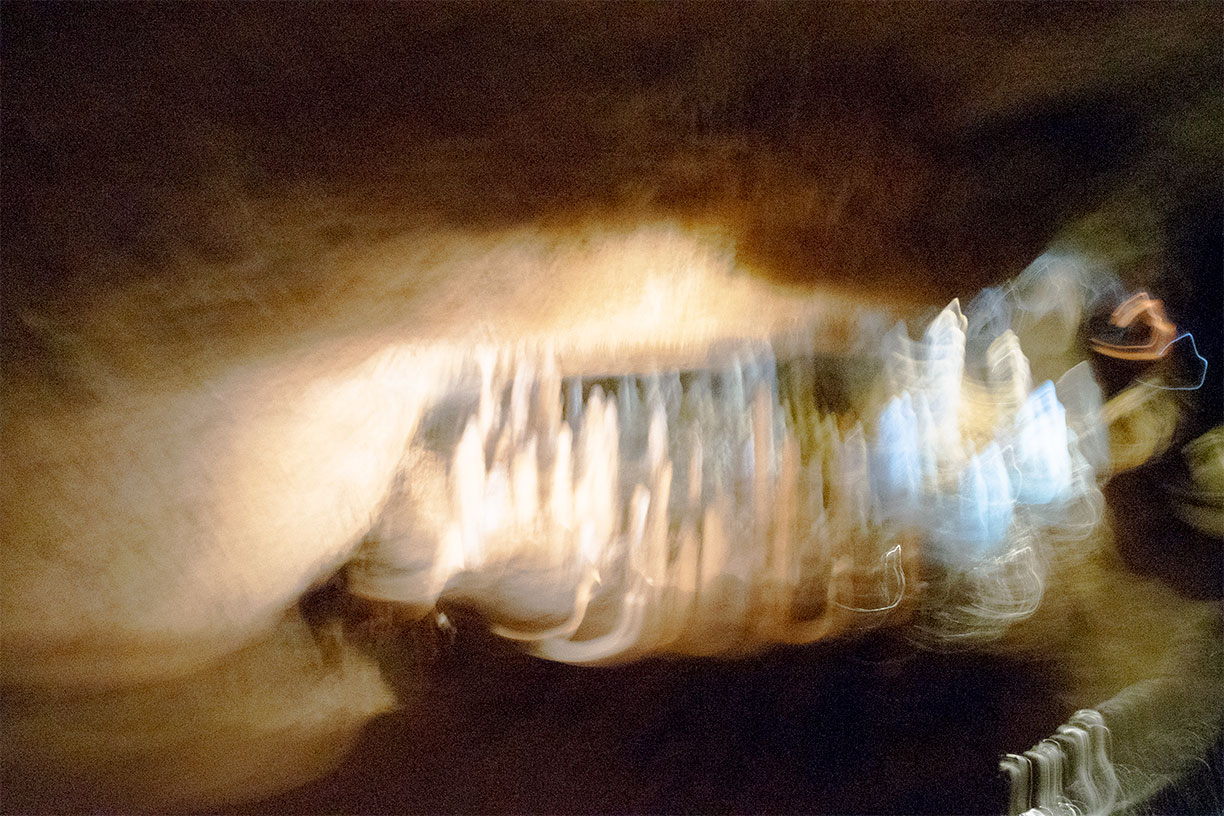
x,y
672,504
1193,350
1042,448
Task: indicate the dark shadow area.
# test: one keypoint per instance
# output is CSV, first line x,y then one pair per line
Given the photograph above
x,y
1200,793
866,727
1152,541
849,147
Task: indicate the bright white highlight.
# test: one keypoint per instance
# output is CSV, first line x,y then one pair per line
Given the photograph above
x,y
985,506
897,467
1042,448
716,510
1069,773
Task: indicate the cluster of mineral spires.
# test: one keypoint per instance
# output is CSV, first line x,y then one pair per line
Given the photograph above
x,y
1070,772
717,510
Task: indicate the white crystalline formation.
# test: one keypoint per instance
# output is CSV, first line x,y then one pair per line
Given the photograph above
x,y
1070,773
705,510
